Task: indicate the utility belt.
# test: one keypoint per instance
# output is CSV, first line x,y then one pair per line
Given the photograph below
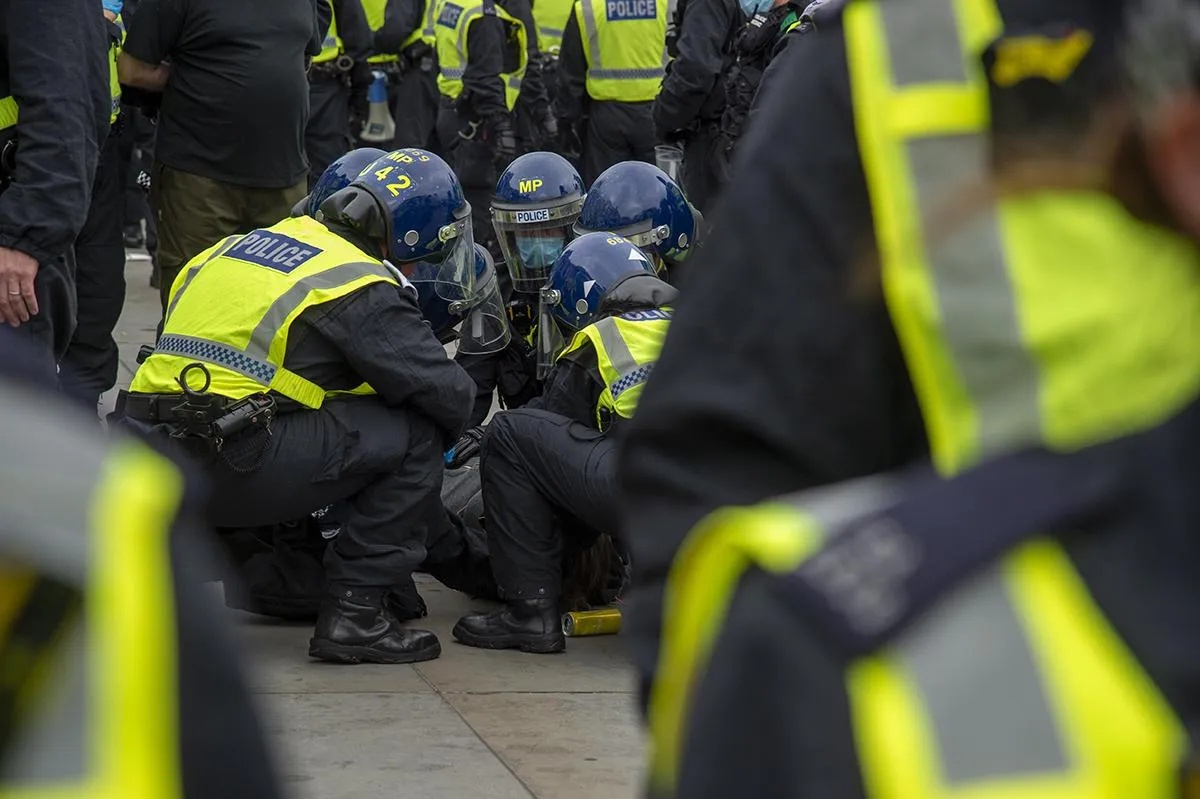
x,y
336,70
419,56
205,423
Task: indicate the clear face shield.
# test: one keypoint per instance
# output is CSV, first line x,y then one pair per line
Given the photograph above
x,y
643,237
550,341
531,239
452,273
484,329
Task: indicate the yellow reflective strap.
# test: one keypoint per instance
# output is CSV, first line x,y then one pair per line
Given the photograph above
x,y
8,112
700,587
132,605
300,389
1124,738
932,110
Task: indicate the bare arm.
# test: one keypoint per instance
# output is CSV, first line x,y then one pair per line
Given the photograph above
x,y
132,72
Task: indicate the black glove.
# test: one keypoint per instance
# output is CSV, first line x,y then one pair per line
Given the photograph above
x,y
503,139
360,80
465,448
548,125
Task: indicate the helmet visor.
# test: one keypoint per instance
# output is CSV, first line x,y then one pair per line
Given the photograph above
x,y
452,272
485,329
531,239
550,342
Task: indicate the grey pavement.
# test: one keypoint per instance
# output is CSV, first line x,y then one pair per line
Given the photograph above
x,y
472,723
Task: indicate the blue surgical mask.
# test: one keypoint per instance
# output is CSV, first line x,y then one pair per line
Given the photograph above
x,y
752,7
539,252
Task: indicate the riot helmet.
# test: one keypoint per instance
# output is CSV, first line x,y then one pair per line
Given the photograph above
x,y
537,201
587,270
336,177
411,201
638,201
481,321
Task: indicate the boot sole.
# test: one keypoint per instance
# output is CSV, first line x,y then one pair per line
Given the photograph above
x,y
340,653
536,646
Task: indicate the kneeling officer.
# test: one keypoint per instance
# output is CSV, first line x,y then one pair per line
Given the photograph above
x,y
295,361
548,470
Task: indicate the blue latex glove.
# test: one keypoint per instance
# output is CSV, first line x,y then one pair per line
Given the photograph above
x,y
449,456
113,6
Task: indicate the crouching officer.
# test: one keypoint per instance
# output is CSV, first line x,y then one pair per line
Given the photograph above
x,y
321,383
549,470
482,52
638,201
118,679
537,201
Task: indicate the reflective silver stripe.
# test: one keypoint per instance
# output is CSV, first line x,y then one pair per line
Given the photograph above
x,y
53,745
430,30
195,270
514,82
836,507
626,74
591,34
452,73
551,32
982,690
49,469
976,299
217,353
464,23
276,316
619,356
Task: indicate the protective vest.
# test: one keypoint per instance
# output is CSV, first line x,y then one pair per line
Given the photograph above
x,y
86,600
113,82
426,33
551,16
331,45
454,20
1028,324
625,43
375,10
627,346
1068,713
277,273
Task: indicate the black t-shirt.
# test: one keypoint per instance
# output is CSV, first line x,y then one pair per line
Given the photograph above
x,y
236,103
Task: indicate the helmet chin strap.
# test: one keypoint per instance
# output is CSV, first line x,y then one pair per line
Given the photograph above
x,y
396,273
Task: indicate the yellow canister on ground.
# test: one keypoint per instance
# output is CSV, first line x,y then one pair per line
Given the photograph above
x,y
606,621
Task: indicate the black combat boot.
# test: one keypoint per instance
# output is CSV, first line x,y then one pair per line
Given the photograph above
x,y
531,625
355,626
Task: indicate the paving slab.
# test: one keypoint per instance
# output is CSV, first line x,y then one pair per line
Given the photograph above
x,y
563,746
367,746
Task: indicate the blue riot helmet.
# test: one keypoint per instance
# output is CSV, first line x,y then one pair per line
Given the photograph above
x,y
411,201
537,200
482,318
336,177
638,201
587,270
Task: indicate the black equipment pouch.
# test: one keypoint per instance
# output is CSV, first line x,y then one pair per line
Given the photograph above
x,y
237,431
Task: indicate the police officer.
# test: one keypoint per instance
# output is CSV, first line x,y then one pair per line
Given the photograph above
x,y
297,396
89,366
533,116
611,67
337,72
407,31
808,216
689,106
548,471
55,100
537,201
482,54
638,201
754,46
551,17
116,671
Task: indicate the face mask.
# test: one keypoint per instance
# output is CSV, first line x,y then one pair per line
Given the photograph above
x,y
538,252
752,7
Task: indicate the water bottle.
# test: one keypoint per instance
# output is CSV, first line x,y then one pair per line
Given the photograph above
x,y
379,127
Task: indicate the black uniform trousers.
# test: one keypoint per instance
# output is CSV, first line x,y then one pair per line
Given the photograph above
x,y
617,132
474,163
545,478
327,134
89,366
415,107
701,179
383,464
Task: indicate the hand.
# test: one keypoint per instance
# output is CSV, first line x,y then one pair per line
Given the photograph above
x,y
549,125
467,447
503,140
18,301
